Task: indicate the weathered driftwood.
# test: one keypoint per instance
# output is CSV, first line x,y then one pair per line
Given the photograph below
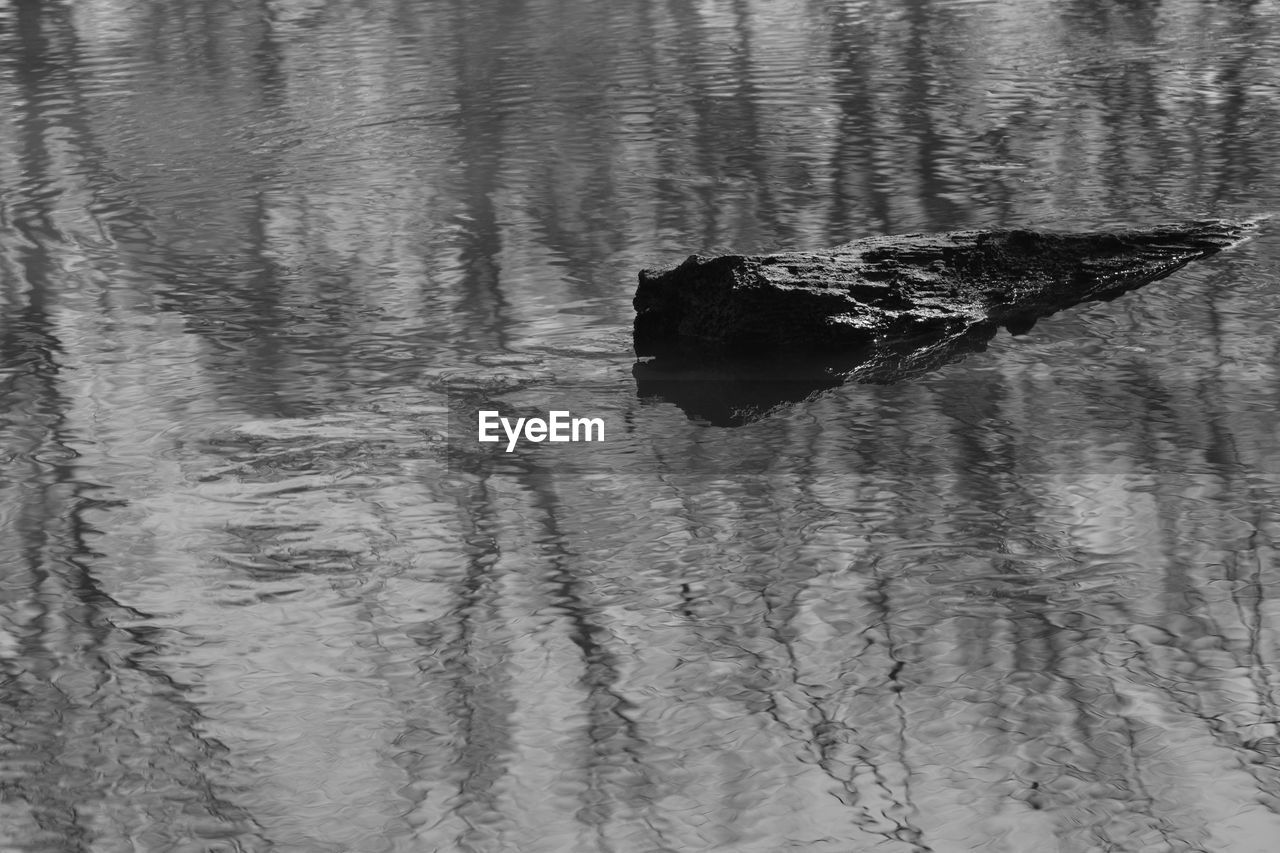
x,y
886,290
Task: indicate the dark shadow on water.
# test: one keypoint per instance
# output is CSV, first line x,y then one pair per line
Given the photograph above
x,y
732,391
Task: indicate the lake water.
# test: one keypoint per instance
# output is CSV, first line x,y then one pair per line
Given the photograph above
x,y
261,588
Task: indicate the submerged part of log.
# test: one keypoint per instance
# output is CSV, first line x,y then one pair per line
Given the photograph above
x,y
886,289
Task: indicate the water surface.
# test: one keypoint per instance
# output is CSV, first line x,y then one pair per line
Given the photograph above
x,y
260,589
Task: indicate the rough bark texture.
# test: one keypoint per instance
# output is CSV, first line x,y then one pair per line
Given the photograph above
x,y
884,289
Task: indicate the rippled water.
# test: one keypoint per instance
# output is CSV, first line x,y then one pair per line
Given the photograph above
x,y
260,588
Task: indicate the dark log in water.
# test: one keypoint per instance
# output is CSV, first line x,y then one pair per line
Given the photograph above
x,y
739,337
888,289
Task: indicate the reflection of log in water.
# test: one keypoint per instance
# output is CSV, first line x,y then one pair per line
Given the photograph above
x,y
883,309
729,390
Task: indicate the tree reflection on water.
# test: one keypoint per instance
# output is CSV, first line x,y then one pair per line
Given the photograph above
x,y
257,260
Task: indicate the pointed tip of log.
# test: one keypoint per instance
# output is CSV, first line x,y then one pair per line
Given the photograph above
x,y
1252,223
1231,232
1218,233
